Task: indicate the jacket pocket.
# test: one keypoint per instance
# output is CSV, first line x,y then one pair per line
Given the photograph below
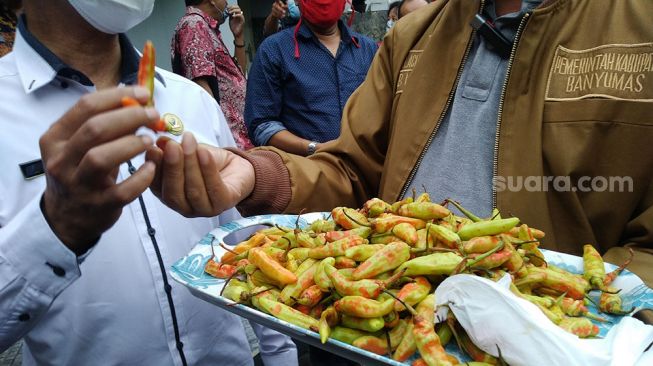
x,y
608,111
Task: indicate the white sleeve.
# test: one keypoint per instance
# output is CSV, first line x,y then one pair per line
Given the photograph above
x,y
35,267
275,348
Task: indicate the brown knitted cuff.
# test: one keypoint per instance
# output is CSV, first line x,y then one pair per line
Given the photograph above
x,y
272,191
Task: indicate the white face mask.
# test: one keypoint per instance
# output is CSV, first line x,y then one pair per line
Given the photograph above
x,y
113,16
389,24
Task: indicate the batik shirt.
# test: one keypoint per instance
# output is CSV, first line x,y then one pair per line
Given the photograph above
x,y
198,51
7,29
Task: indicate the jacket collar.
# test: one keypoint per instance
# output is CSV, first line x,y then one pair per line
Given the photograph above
x,y
38,66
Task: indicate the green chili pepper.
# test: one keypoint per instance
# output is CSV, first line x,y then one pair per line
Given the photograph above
x,y
432,264
285,312
363,307
484,228
423,210
366,324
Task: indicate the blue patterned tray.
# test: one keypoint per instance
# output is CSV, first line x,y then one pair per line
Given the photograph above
x,y
189,271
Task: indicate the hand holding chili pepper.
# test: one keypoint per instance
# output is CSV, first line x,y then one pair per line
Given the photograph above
x,y
82,152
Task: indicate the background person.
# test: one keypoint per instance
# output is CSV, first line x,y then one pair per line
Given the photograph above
x,y
301,79
8,10
199,54
408,6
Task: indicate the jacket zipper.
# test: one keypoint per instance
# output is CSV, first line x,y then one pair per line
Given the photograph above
x,y
411,176
495,167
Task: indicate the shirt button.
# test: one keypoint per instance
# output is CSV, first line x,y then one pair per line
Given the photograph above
x,y
58,271
180,345
151,231
23,317
64,85
132,169
168,288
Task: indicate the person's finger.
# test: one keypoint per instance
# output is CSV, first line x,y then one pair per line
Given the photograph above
x,y
194,183
101,160
216,190
128,190
107,127
172,178
155,155
92,104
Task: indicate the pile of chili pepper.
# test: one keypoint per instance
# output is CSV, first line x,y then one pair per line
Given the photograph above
x,y
366,277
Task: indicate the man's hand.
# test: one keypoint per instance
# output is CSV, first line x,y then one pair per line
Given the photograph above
x,y
82,152
236,22
279,10
199,180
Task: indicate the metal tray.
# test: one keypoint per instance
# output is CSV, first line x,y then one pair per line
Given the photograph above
x,y
189,271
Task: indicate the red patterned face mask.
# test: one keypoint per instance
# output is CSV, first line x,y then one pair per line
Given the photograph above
x,y
322,13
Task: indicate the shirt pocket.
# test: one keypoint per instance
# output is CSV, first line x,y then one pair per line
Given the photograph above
x,y
598,137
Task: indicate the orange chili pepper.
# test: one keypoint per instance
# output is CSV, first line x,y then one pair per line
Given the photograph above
x,y
311,296
344,262
413,292
386,259
270,267
255,241
363,232
582,327
146,70
219,270
348,218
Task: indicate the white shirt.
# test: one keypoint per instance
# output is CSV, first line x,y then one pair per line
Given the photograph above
x,y
109,308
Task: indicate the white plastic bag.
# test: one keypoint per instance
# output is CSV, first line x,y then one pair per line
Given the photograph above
x,y
495,318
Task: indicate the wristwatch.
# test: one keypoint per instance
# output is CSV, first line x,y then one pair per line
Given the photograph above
x,y
311,147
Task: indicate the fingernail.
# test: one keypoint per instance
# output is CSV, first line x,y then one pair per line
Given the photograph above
x,y
189,144
148,165
147,140
151,113
141,93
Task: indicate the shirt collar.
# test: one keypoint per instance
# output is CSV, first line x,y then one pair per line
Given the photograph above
x,y
345,34
191,10
38,66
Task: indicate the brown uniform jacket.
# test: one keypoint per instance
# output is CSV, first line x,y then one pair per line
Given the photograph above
x,y
578,102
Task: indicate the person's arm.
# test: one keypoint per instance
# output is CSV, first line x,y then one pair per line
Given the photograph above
x,y
204,83
237,25
288,142
344,172
278,12
41,247
264,99
192,45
